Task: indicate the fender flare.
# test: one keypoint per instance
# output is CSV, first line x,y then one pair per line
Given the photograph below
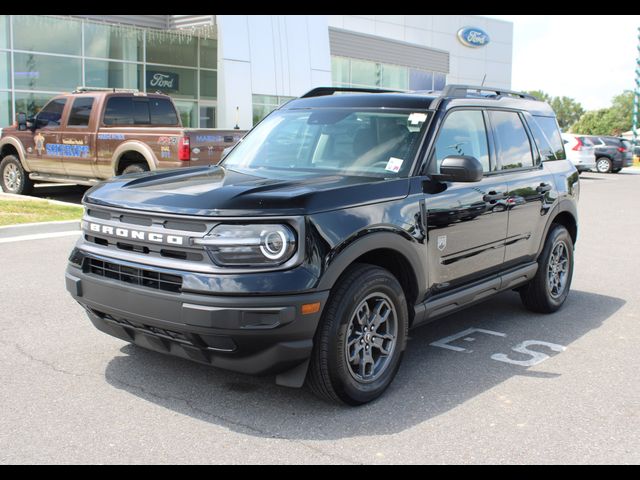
x,y
374,241
17,144
564,205
134,146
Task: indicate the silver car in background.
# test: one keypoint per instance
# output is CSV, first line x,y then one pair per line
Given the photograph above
x,y
580,151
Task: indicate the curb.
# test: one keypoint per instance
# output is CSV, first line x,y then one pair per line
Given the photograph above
x,y
38,228
13,196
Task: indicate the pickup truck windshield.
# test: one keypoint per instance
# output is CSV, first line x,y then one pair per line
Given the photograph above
x,y
345,141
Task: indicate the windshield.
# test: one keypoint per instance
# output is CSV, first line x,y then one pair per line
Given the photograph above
x,y
344,141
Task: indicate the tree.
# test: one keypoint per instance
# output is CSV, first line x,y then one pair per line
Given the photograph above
x,y
608,121
568,111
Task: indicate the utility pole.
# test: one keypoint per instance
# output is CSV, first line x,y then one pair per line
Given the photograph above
x,y
636,95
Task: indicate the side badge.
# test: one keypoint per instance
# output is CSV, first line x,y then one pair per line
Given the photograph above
x,y
442,242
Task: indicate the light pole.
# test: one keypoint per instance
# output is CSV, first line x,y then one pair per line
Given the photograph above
x,y
636,94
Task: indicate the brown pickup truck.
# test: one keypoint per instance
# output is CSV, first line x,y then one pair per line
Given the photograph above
x,y
93,134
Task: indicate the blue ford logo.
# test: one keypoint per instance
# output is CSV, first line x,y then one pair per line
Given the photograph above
x,y
473,37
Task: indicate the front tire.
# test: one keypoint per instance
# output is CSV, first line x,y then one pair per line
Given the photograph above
x,y
603,165
13,178
361,337
548,290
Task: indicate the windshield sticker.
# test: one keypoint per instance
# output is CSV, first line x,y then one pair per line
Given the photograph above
x,y
417,117
394,164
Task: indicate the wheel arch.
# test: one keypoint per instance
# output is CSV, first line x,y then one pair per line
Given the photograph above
x,y
391,251
133,147
13,146
565,214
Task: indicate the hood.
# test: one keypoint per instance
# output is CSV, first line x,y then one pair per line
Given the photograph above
x,y
216,191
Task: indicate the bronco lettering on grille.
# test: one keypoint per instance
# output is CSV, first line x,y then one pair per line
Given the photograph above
x,y
136,234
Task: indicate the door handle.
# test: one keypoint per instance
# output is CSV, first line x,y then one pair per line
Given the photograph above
x,y
543,187
493,196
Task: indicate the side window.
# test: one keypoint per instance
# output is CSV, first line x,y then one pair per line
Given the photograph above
x,y
119,111
513,146
51,114
80,112
463,133
162,112
551,131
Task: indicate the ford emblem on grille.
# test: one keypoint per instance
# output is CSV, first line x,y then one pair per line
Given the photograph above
x,y
134,234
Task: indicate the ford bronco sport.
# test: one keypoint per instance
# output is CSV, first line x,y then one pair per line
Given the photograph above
x,y
334,226
95,133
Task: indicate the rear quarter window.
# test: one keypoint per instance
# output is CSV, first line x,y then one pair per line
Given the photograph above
x,y
548,127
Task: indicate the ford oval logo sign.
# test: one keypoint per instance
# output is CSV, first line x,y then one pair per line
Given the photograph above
x,y
473,37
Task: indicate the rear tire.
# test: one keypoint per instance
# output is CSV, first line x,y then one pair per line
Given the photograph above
x,y
13,178
135,168
603,165
356,354
548,290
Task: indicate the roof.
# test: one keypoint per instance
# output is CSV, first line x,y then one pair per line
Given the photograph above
x,y
452,96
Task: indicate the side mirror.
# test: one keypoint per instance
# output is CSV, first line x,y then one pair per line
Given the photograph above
x,y
21,120
459,168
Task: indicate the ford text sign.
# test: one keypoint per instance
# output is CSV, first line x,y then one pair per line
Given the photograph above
x,y
164,81
473,37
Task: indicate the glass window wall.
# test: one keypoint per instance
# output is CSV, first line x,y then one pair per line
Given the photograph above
x,y
38,33
45,72
113,41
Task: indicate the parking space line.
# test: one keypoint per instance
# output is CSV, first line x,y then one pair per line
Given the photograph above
x,y
38,236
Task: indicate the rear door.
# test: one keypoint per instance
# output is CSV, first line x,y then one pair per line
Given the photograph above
x,y
78,138
531,189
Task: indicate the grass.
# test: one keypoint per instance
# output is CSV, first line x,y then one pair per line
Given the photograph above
x,y
13,212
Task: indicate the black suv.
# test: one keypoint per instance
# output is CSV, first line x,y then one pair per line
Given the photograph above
x,y
334,226
612,153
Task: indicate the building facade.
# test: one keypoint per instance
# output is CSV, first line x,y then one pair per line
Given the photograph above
x,y
229,70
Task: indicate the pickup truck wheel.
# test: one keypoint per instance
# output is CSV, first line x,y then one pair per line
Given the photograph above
x,y
549,288
361,338
135,168
13,177
603,165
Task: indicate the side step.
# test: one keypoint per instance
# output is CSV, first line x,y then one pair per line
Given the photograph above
x,y
441,305
46,177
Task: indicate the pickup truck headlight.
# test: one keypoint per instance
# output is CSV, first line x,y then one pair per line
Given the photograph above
x,y
249,245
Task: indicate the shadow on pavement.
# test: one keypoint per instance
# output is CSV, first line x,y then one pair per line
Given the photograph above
x,y
431,380
62,193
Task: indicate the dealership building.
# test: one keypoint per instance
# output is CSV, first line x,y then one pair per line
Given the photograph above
x,y
231,70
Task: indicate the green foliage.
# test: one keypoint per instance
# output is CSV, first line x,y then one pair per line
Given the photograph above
x,y
608,121
568,111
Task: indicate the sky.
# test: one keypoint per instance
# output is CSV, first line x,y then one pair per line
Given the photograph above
x,y
590,58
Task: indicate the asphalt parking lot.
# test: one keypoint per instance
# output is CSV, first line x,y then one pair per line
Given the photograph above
x,y
71,394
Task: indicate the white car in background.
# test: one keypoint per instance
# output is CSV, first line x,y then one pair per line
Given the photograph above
x,y
580,150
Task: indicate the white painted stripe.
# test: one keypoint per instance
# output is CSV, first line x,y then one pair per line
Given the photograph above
x,y
38,236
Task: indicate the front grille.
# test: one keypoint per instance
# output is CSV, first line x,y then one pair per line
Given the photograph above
x,y
133,276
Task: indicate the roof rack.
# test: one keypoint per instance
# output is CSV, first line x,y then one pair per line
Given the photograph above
x,y
100,89
322,91
463,91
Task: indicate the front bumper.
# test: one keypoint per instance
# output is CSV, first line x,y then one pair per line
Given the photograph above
x,y
249,334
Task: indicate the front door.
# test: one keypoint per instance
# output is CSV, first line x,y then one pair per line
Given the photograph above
x,y
46,156
466,222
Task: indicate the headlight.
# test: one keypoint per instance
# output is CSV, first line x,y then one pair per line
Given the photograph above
x,y
249,245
